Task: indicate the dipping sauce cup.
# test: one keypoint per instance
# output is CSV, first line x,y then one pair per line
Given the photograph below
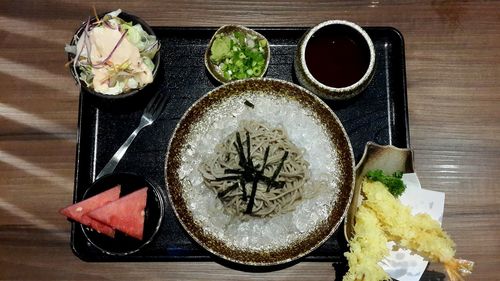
x,y
335,60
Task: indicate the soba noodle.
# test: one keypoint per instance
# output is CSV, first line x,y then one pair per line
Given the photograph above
x,y
237,179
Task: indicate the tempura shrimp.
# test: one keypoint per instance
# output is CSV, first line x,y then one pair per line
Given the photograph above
x,y
419,233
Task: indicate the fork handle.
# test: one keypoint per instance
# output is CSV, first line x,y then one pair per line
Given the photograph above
x,y
113,162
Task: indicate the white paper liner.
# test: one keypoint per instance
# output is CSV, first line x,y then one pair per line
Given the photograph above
x,y
402,264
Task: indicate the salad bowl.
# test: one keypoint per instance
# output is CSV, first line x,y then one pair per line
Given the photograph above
x,y
137,33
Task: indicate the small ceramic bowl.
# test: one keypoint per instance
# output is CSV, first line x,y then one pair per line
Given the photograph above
x,y
122,244
335,60
128,18
228,29
387,158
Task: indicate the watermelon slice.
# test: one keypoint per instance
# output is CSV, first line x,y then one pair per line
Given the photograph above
x,y
125,214
78,211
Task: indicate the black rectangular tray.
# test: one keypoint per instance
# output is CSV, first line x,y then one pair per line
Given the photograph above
x,y
378,114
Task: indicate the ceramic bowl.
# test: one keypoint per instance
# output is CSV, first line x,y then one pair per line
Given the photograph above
x,y
387,158
156,60
309,123
228,29
353,32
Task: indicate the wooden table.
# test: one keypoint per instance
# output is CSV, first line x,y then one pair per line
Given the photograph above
x,y
453,71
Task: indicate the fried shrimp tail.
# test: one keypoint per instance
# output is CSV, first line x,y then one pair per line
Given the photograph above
x,y
457,269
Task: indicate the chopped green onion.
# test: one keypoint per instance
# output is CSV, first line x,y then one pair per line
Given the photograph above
x,y
238,56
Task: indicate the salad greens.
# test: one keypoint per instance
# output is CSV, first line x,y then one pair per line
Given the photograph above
x,y
238,55
113,56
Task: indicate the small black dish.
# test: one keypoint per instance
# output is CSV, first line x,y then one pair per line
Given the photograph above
x,y
156,60
122,244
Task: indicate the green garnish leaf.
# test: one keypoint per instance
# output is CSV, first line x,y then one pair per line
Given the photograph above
x,y
393,182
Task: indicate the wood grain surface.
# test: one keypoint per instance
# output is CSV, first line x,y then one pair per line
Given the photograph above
x,y
453,73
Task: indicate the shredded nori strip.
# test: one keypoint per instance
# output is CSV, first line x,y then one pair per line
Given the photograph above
x,y
243,183
227,178
255,181
278,170
264,163
252,196
233,171
249,158
229,189
239,147
249,104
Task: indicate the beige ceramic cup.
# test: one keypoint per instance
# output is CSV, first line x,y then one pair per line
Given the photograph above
x,y
307,80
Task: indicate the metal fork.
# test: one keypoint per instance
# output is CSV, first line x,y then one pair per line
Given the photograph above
x,y
152,111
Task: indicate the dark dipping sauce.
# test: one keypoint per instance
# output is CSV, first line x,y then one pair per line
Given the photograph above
x,y
337,56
